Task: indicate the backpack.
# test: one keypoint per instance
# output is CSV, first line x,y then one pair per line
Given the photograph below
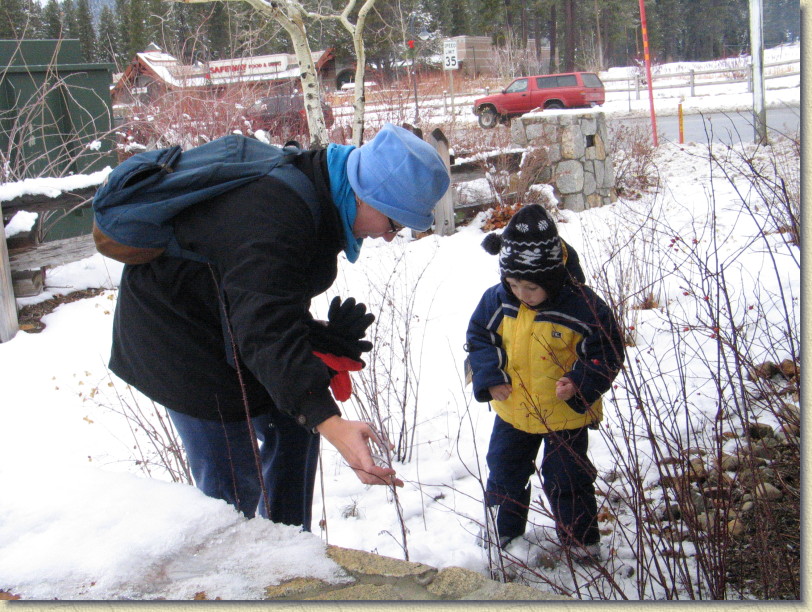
x,y
134,207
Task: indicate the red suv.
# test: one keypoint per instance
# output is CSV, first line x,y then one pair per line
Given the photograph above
x,y
569,90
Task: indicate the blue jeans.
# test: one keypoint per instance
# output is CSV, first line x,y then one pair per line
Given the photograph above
x,y
223,464
568,478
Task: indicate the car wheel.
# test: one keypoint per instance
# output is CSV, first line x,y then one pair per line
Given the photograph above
x,y
488,118
553,105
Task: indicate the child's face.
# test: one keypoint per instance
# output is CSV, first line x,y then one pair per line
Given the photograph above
x,y
526,292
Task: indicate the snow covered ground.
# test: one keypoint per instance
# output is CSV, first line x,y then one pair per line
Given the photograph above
x,y
79,519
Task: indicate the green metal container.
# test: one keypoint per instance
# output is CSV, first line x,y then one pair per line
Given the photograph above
x,y
55,116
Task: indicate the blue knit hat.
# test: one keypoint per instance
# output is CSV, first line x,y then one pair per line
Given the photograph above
x,y
400,175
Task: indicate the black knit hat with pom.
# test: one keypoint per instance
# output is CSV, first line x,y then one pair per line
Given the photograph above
x,y
530,249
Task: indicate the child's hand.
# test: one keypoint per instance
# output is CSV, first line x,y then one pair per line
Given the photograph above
x,y
564,388
500,392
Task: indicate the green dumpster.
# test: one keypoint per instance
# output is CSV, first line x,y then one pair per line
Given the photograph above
x,y
55,117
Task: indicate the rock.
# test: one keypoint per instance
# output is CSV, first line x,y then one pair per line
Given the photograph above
x,y
736,527
697,471
369,563
575,202
729,463
625,571
763,451
455,582
704,522
569,177
767,491
759,431
671,482
672,512
717,492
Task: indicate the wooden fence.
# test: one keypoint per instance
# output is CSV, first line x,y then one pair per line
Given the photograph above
x,y
691,80
688,80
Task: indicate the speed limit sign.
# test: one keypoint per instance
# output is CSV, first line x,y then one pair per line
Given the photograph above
x,y
450,55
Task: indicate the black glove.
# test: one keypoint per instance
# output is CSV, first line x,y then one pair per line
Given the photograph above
x,y
346,326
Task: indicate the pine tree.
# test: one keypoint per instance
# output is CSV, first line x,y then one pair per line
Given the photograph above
x,y
34,24
52,20
137,40
70,26
12,19
122,14
85,30
154,30
218,31
108,37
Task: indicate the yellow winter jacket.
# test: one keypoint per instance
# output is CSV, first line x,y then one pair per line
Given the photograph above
x,y
538,354
576,335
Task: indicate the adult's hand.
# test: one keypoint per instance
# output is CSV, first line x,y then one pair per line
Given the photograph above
x,y
351,439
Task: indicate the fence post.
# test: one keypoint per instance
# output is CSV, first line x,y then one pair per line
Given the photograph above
x,y
692,83
444,212
8,305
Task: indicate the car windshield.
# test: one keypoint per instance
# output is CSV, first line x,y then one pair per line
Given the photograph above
x,y
517,86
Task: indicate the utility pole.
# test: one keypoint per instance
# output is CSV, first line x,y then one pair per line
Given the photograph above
x,y
757,55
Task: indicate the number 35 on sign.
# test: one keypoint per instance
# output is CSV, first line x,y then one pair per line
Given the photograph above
x,y
450,55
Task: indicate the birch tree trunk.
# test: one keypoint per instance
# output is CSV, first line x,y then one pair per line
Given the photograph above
x,y
291,17
290,14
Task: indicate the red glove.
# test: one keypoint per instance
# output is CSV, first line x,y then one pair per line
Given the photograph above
x,y
340,368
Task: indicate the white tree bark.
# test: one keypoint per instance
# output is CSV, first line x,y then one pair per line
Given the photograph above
x,y
290,14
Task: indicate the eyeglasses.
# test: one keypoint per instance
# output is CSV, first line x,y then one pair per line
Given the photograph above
x,y
395,227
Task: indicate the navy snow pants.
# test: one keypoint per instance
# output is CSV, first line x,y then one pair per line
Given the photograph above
x,y
223,465
567,474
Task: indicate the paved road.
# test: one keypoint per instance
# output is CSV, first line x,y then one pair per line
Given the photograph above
x,y
724,127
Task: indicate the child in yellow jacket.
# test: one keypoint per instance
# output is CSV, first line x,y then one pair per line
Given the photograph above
x,y
543,349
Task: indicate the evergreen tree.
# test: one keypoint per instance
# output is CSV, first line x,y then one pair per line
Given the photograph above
x,y
137,40
218,30
154,31
70,26
782,21
52,20
34,24
12,19
122,14
85,30
107,42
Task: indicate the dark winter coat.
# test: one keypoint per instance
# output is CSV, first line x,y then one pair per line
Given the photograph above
x,y
270,259
573,335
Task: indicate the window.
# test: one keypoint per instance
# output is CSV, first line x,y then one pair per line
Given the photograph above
x,y
517,86
591,80
547,82
567,80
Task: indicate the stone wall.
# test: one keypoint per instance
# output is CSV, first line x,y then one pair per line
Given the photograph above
x,y
372,577
579,166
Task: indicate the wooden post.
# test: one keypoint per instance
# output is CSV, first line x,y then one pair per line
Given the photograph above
x,y
444,212
8,305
